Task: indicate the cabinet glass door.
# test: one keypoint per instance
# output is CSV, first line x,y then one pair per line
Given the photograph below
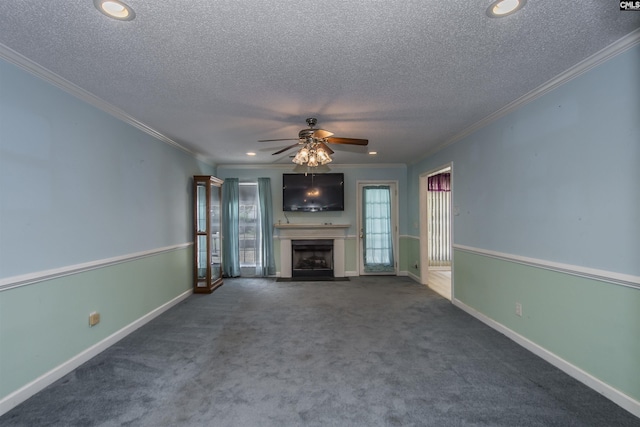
x,y
201,235
201,208
216,247
201,254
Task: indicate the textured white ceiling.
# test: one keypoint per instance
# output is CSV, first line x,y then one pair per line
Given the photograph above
x,y
216,76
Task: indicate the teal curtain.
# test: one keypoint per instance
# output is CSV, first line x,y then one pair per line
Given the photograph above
x,y
378,235
230,228
267,264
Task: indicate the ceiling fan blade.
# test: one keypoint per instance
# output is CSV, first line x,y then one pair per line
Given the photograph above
x,y
326,148
282,139
321,133
353,141
285,149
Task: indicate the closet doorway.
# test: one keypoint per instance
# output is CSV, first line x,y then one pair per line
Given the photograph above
x,y
436,230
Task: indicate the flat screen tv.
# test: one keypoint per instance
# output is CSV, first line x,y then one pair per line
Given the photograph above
x,y
312,192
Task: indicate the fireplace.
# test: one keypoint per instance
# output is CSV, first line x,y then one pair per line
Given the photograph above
x,y
312,258
334,233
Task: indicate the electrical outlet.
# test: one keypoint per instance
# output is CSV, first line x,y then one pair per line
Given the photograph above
x,y
94,318
518,309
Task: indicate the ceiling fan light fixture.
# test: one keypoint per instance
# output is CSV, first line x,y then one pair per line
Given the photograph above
x,y
322,156
315,149
302,156
500,8
312,154
297,159
313,161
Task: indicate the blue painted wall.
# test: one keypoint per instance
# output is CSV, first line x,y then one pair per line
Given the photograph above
x,y
559,178
77,185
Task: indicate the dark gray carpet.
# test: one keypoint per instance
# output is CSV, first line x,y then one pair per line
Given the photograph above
x,y
312,279
375,351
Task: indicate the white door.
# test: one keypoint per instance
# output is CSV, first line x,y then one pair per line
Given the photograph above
x,y
378,227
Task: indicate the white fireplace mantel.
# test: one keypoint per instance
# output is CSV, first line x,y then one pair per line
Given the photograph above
x,y
335,232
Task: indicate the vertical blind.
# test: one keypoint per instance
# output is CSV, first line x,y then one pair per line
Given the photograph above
x,y
439,199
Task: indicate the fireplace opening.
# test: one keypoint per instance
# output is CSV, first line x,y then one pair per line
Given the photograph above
x,y
312,258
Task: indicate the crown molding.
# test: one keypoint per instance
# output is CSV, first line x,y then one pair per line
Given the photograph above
x,y
614,49
39,71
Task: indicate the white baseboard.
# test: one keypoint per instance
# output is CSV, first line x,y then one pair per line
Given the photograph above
x,y
616,396
410,275
17,397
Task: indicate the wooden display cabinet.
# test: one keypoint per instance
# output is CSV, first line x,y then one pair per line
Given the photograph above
x,y
207,225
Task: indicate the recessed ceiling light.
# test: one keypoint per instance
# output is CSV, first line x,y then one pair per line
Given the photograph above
x,y
373,153
251,153
500,8
115,9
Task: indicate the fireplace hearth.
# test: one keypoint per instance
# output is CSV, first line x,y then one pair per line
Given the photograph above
x,y
312,258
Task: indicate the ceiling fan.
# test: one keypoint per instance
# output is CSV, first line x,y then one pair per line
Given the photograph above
x,y
320,137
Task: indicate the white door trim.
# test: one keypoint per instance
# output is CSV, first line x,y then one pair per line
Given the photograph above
x,y
424,225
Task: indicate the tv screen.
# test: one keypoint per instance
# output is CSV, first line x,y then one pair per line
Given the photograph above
x,y
312,192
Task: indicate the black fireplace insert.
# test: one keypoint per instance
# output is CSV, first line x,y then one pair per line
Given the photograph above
x,y
312,258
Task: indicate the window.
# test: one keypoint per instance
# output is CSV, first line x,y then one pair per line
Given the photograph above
x,y
249,226
248,245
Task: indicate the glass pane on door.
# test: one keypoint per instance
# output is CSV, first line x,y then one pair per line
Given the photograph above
x,y
215,244
377,230
201,259
201,208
